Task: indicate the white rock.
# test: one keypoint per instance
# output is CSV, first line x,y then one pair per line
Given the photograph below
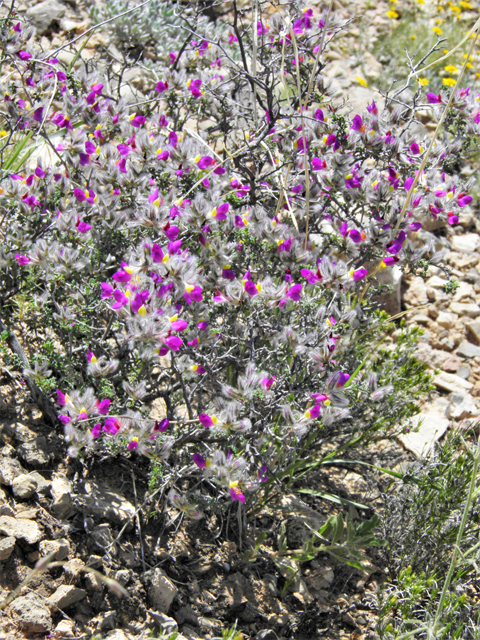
x,y
21,528
31,615
43,14
451,382
465,309
468,242
474,328
65,629
446,320
24,486
65,596
60,548
61,491
437,282
9,470
161,591
7,545
426,429
462,407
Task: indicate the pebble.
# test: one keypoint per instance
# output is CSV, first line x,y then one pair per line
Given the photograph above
x,y
467,243
60,548
161,591
468,350
474,329
35,452
451,382
7,545
65,596
31,615
465,309
20,528
44,14
24,486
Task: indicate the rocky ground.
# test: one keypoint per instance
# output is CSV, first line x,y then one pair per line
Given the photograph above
x,y
100,518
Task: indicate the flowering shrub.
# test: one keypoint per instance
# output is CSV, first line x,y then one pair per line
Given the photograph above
x,y
213,250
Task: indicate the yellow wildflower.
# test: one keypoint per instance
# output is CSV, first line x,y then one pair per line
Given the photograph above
x,y
393,15
413,36
469,65
465,5
455,9
449,82
451,68
423,82
437,30
361,81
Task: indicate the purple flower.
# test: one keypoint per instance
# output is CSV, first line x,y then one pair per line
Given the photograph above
x,y
96,431
103,406
372,108
295,292
433,98
415,226
161,87
318,165
408,183
359,274
415,149
24,55
397,244
107,290
111,426
318,115
173,343
137,121
79,195
463,200
199,461
179,325
204,162
161,426
357,124
21,259
38,114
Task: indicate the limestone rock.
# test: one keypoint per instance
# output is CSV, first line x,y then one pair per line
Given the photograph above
x,y
416,294
24,486
7,545
451,382
465,309
452,364
20,528
60,548
35,452
61,491
73,570
65,629
44,14
31,615
468,350
466,243
461,407
446,320
43,485
102,538
161,591
66,595
425,430
474,329
100,502
9,470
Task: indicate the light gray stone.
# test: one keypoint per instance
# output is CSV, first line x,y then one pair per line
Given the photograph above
x,y
468,350
123,576
103,539
43,485
392,302
462,407
61,491
464,372
24,486
65,596
446,320
44,14
31,615
73,570
35,452
65,629
100,502
9,470
451,382
465,309
21,528
425,430
466,243
474,329
161,591
60,548
7,545
117,634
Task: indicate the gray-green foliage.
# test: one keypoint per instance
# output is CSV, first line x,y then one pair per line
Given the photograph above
x,y
160,26
431,530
